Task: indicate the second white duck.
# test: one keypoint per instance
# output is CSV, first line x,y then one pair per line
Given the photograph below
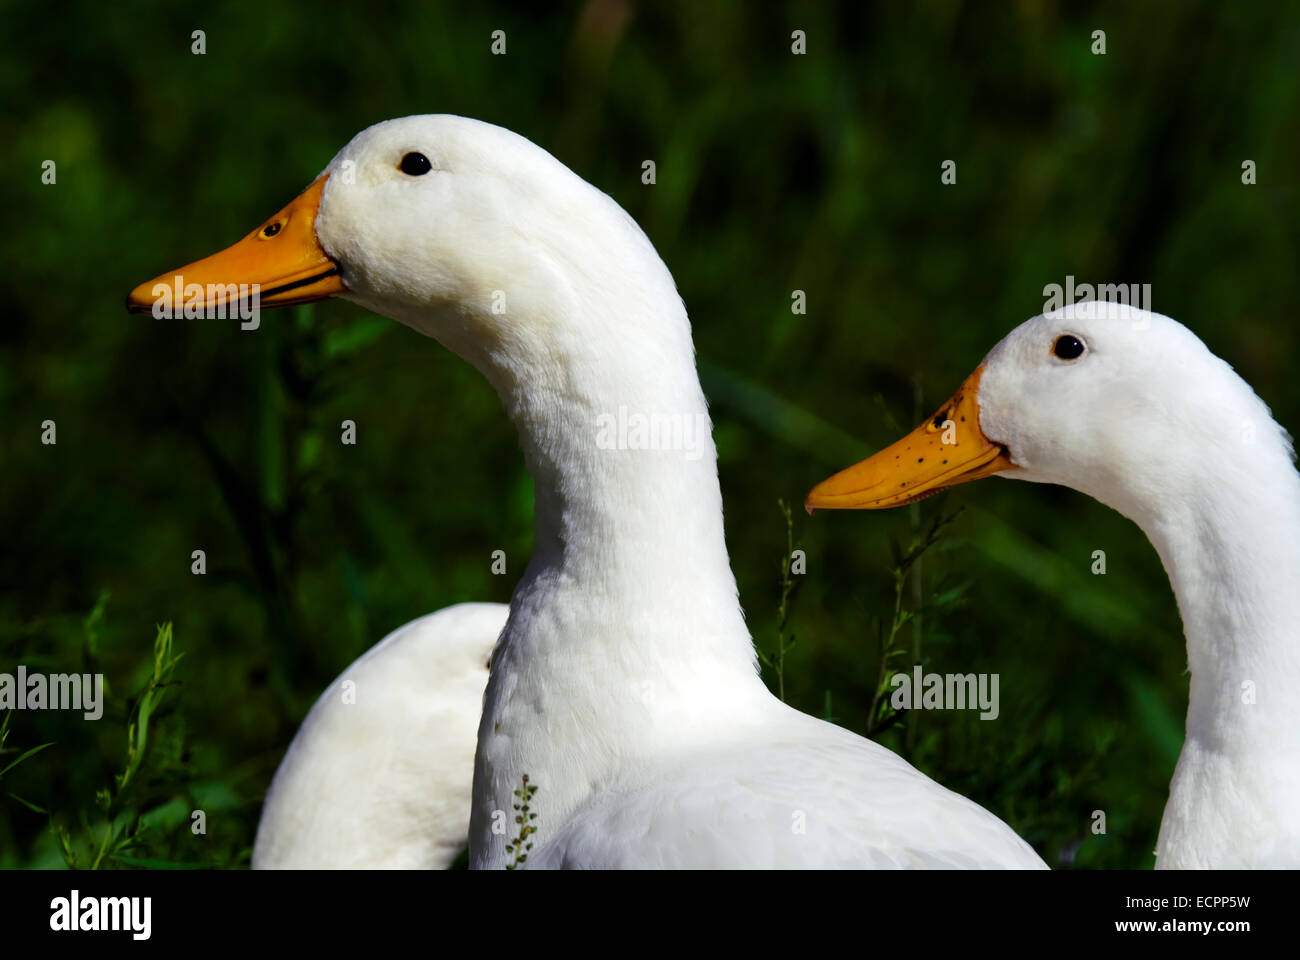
x,y
1131,408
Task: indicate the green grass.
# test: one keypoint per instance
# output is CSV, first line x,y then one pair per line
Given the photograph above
x,y
150,812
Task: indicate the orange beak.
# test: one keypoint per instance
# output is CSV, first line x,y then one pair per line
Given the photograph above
x,y
946,450
278,264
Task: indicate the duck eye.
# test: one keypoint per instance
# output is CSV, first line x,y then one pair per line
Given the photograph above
x,y
271,229
1068,347
415,165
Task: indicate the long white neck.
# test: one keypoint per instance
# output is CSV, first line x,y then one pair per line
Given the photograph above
x,y
625,632
1230,546
638,526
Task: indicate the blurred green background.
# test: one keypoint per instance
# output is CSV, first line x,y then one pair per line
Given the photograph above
x,y
775,173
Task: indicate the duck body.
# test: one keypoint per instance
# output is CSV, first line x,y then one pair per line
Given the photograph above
x,y
379,773
1145,419
784,790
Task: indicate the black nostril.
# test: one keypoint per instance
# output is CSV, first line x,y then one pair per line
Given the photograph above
x,y
271,229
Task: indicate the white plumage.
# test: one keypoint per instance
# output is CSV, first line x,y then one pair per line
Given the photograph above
x,y
379,773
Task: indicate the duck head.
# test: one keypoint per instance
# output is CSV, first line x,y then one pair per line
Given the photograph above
x,y
462,230
1122,404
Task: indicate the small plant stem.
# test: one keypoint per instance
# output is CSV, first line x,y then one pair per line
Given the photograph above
x,y
783,609
918,596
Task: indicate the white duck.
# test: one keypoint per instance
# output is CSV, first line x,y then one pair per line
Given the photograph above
x,y
624,684
1132,409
